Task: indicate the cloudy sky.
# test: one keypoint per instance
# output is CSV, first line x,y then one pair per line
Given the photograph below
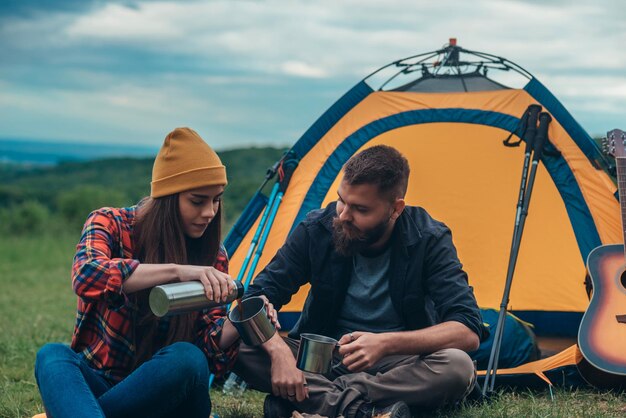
x,y
261,72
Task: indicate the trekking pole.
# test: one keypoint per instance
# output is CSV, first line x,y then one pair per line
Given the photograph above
x,y
530,130
541,136
529,137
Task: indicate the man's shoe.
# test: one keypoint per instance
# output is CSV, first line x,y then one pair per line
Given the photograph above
x,y
275,407
397,410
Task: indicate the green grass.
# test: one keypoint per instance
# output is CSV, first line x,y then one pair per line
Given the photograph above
x,y
37,306
564,404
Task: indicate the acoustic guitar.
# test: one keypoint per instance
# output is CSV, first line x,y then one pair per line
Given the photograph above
x,y
602,332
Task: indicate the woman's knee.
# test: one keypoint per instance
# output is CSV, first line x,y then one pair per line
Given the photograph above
x,y
190,360
52,353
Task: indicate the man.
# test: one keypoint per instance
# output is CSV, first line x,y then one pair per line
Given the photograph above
x,y
386,282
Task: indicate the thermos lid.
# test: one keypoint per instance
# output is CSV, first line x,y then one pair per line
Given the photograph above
x,y
240,289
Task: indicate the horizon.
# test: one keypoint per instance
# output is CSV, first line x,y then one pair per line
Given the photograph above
x,y
32,152
139,146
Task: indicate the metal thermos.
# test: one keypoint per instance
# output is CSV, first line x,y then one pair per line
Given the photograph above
x,y
178,298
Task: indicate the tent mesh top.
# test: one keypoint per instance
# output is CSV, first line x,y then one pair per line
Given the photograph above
x,y
450,83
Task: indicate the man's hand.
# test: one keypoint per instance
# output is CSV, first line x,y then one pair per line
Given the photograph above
x,y
361,350
272,314
288,381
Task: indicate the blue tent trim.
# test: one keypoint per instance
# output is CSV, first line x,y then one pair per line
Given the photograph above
x,y
567,121
577,209
337,111
562,175
307,141
576,206
352,143
584,229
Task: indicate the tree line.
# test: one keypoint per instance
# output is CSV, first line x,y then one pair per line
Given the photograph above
x,y
36,200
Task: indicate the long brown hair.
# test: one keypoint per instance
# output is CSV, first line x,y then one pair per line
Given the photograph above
x,y
158,238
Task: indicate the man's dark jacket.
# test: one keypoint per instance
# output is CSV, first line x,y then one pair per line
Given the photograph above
x,y
426,281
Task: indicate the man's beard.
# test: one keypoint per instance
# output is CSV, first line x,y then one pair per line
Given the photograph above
x,y
350,240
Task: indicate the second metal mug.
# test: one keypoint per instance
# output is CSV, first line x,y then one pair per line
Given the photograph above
x,y
250,319
315,353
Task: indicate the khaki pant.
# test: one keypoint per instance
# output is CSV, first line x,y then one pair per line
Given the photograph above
x,y
428,381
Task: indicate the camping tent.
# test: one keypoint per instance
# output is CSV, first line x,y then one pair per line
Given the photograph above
x,y
447,112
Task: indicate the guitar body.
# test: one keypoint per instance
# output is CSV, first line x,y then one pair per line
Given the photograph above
x,y
602,332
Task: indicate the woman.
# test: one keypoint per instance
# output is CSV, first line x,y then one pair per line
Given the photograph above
x,y
124,361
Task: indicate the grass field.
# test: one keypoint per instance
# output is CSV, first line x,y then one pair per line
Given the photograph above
x,y
37,306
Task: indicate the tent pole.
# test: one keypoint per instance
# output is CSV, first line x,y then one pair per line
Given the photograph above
x,y
253,243
257,233
525,195
265,234
271,172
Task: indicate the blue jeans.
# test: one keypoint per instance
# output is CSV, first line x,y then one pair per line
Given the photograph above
x,y
174,382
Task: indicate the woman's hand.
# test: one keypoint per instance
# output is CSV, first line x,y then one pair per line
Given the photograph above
x,y
217,285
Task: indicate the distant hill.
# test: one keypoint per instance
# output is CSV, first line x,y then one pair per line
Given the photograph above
x,y
32,152
123,181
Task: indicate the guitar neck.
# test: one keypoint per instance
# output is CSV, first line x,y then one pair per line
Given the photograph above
x,y
620,163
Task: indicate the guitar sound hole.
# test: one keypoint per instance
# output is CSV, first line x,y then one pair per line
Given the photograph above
x,y
622,279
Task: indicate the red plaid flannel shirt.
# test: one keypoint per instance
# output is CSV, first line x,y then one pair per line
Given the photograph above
x,y
104,331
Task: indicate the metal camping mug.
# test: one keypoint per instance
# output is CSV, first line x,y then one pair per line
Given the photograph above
x,y
178,298
315,354
250,318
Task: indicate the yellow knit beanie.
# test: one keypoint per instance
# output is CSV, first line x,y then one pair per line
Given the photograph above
x,y
185,162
